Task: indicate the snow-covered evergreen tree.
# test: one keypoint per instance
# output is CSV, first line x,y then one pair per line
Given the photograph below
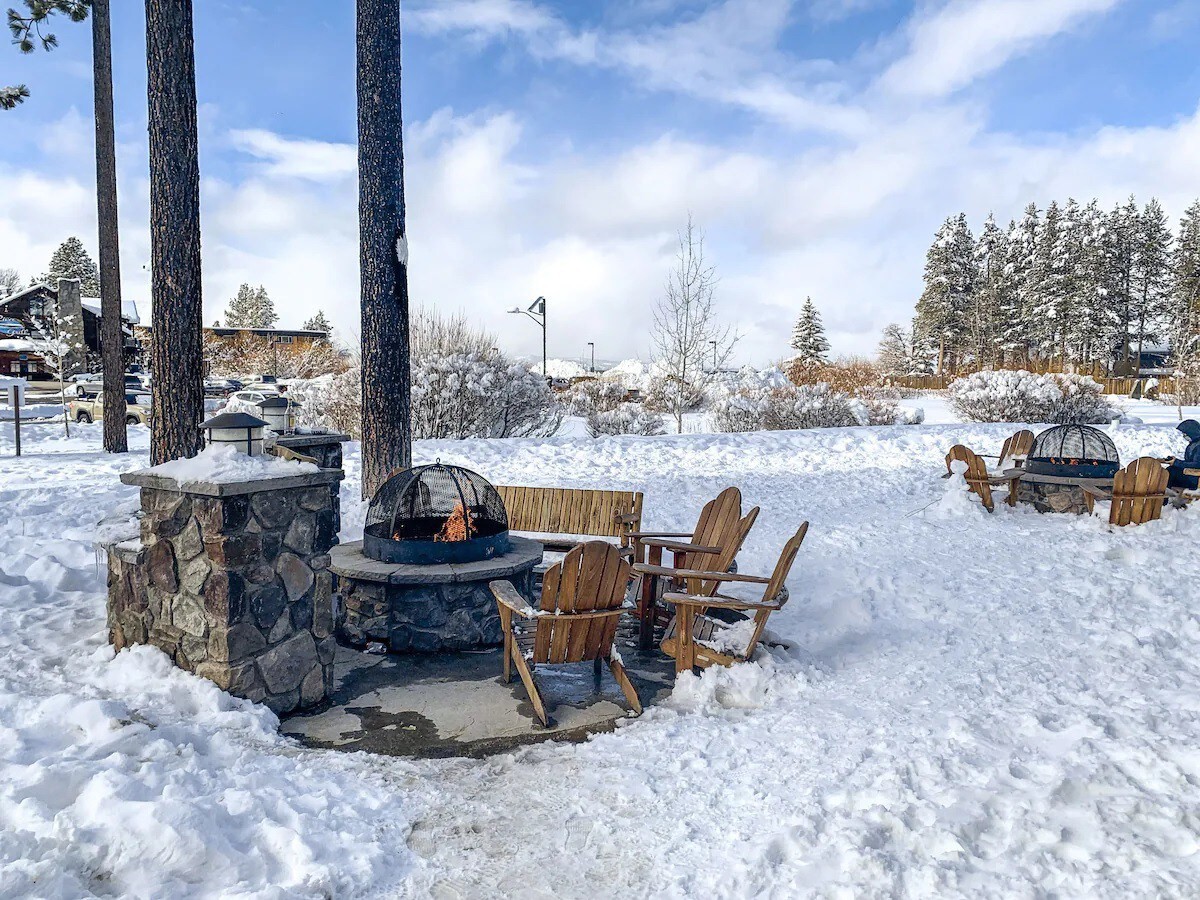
x,y
250,308
1121,228
1185,292
1016,317
950,278
1151,275
991,293
808,337
318,323
71,260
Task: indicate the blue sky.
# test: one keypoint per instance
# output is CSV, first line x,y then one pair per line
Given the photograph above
x,y
555,147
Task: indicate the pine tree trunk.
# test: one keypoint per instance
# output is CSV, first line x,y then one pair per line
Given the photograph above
x,y
175,344
112,339
383,249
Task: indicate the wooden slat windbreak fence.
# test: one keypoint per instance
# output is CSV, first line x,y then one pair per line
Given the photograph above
x,y
1121,386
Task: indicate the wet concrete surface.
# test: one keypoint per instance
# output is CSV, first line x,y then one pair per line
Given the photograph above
x,y
456,704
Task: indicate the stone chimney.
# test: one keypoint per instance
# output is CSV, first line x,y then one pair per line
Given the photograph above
x,y
70,306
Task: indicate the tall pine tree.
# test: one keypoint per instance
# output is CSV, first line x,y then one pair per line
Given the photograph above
x,y
1151,275
71,260
250,308
950,277
318,323
991,293
808,337
1185,292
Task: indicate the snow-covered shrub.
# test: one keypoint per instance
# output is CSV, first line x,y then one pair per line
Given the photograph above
x,y
881,406
671,395
1020,396
587,397
784,407
330,401
627,418
479,394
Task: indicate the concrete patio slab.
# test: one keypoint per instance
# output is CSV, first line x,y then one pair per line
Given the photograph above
x,y
456,704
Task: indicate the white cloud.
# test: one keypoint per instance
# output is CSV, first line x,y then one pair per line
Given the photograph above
x,y
291,157
955,44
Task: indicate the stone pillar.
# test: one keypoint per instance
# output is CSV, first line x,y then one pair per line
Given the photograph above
x,y
232,582
70,307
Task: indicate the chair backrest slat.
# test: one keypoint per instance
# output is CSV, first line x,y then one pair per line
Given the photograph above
x,y
976,472
778,581
1018,444
591,577
1138,492
722,562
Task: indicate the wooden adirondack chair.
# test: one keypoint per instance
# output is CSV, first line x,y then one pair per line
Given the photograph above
x,y
978,479
582,599
1017,444
1138,493
716,530
696,637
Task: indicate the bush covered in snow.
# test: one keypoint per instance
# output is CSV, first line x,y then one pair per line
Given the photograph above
x,y
596,395
627,418
670,395
461,388
1020,396
772,403
881,406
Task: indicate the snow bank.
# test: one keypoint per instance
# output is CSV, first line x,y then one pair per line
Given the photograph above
x,y
969,705
222,463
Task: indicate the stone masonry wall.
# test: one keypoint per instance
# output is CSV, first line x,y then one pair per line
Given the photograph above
x,y
235,588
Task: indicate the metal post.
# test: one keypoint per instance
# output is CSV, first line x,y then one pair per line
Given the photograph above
x,y
16,405
593,348
543,338
714,346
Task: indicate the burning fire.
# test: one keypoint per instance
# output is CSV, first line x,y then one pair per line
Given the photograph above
x,y
459,527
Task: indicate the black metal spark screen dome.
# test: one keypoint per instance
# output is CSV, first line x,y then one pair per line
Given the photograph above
x,y
436,514
1073,451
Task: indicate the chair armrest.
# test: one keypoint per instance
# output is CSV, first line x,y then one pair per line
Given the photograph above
x,y
678,546
658,534
507,595
643,569
1099,493
1194,472
717,602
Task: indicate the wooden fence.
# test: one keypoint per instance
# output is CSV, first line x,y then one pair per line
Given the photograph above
x,y
1121,386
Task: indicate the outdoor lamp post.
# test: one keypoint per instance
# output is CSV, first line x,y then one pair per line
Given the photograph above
x,y
241,430
537,312
592,347
280,414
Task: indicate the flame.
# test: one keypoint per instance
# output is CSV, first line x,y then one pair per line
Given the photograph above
x,y
458,527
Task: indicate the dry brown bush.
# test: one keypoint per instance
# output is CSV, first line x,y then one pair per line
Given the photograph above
x,y
847,375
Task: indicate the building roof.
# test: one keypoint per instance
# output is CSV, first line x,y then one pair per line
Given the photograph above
x,y
267,332
129,310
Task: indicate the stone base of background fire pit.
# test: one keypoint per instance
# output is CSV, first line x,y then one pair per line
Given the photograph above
x,y
1056,494
427,608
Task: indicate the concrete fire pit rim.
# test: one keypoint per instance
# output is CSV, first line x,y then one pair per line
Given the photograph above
x,y
348,561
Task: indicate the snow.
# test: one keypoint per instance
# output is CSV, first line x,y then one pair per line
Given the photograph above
x,y
962,704
224,463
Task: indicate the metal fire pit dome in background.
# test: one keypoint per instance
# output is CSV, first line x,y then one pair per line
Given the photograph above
x,y
1073,451
421,515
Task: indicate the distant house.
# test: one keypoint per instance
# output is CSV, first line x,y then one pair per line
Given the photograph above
x,y
1155,360
25,319
296,337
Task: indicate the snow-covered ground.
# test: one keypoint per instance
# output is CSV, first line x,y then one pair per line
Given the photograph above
x,y
973,705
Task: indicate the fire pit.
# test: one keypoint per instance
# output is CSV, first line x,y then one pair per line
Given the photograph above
x,y
418,581
436,514
1063,460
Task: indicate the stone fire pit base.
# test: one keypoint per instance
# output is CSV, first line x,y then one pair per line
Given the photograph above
x,y
426,609
1055,494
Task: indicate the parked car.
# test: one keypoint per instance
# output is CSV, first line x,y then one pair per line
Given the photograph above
x,y
217,387
91,409
253,395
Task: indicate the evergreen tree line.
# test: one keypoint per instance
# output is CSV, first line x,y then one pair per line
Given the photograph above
x,y
1071,286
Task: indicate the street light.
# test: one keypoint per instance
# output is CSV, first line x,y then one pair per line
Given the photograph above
x,y
537,312
592,346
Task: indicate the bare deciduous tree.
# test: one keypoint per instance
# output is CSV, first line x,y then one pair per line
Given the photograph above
x,y
688,339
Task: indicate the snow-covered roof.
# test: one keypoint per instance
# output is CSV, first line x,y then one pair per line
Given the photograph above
x,y
17,345
129,310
